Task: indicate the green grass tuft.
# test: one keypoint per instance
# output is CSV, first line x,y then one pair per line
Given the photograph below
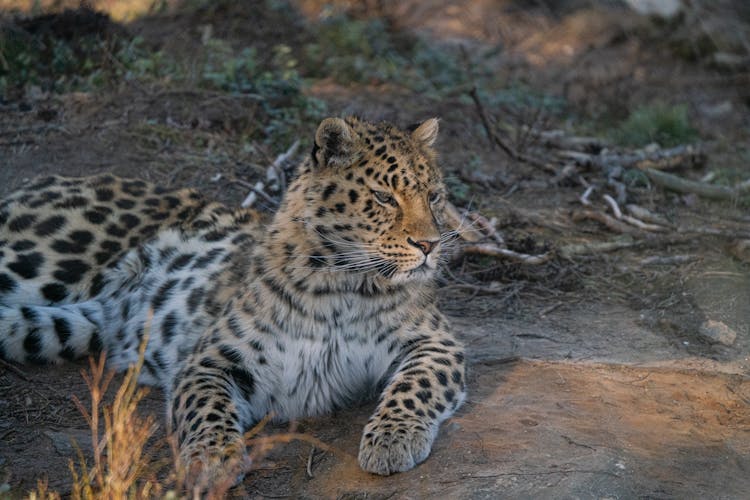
x,y
660,123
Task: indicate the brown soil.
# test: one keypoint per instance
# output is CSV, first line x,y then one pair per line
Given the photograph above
x,y
588,376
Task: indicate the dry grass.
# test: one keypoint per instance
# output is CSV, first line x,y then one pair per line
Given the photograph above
x,y
125,463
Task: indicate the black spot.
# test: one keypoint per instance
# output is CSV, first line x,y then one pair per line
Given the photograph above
x,y
27,265
62,329
353,196
317,261
172,201
329,190
449,395
21,222
321,211
442,378
71,271
194,300
116,231
134,188
29,314
22,245
104,194
168,326
456,376
163,294
391,403
340,207
95,216
7,284
408,404
206,260
125,203
424,383
230,354
33,342
380,150
180,261
214,236
424,396
72,202
244,380
130,220
54,292
97,283
459,357
402,387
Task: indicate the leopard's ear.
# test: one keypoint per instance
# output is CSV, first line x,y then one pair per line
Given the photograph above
x,y
425,132
334,143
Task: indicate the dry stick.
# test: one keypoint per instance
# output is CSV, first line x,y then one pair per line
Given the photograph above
x,y
633,221
681,185
493,250
15,370
573,250
680,156
610,222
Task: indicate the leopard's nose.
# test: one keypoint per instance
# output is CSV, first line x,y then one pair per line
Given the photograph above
x,y
426,246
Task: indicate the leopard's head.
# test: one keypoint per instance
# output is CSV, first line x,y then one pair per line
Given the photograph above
x,y
372,197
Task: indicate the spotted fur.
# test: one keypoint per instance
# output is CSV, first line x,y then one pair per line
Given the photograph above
x,y
331,304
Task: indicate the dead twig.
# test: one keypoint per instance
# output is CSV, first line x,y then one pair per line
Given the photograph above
x,y
610,222
275,180
689,156
681,185
575,249
668,260
492,250
15,370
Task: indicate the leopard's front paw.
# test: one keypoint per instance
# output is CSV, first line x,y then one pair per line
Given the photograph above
x,y
389,447
211,473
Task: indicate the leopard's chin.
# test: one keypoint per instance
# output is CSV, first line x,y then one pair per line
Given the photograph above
x,y
420,274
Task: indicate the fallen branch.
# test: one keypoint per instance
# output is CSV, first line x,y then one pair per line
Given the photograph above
x,y
646,215
492,250
457,222
275,180
663,159
633,221
668,260
573,250
681,185
610,222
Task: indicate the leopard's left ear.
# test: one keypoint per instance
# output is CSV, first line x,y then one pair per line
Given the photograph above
x,y
426,132
334,143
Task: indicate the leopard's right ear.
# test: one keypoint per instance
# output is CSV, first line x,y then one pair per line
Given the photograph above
x,y
334,143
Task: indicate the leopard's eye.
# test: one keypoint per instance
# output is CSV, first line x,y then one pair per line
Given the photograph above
x,y
385,198
435,197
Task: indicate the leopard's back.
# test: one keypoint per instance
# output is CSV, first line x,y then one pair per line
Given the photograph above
x,y
59,234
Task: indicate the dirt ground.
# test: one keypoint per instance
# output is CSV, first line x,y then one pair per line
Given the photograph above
x,y
590,376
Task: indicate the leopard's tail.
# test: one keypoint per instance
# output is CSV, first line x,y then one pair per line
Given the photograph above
x,y
51,334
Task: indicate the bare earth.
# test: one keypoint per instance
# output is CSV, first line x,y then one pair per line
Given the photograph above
x,y
588,376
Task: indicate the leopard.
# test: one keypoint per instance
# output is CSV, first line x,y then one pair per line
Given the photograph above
x,y
330,304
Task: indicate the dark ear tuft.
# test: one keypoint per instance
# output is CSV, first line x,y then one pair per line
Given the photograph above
x,y
426,132
334,143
